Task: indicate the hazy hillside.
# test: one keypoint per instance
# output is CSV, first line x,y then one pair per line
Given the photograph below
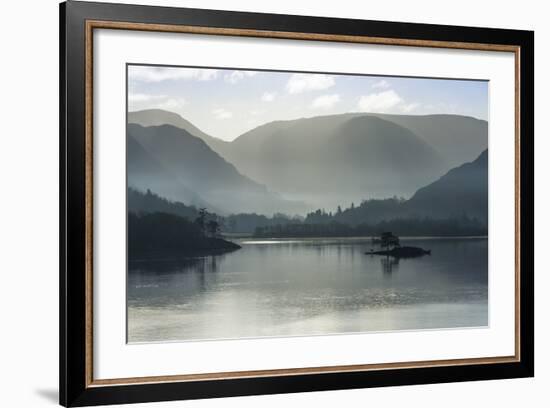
x,y
463,190
333,159
458,139
455,204
158,117
195,165
145,172
337,159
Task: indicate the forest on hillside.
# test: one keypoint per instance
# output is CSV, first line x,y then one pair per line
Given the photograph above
x,y
371,217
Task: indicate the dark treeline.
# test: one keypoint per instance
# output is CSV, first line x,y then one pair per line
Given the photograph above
x,y
462,226
368,218
247,223
163,234
149,202
368,212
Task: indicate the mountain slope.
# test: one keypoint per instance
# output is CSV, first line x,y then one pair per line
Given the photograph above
x,y
203,171
458,139
459,197
146,173
462,191
336,158
158,117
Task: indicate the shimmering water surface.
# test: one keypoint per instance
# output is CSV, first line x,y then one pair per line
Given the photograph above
x,y
292,287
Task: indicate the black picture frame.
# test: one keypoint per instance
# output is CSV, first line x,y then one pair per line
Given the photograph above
x,y
75,389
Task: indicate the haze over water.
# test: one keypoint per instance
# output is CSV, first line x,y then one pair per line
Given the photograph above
x,y
297,287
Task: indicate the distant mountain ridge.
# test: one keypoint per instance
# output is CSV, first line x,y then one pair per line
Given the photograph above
x,y
333,159
463,190
461,195
327,160
190,165
145,171
158,117
455,204
457,138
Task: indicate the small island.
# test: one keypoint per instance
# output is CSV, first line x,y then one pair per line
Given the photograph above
x,y
392,247
164,235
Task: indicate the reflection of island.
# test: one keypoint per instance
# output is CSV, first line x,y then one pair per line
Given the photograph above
x,y
389,265
176,264
402,252
391,246
161,234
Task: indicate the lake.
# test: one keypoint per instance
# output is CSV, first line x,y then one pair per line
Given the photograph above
x,y
299,287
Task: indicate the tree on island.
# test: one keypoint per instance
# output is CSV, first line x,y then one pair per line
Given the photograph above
x,y
387,239
166,235
213,228
201,219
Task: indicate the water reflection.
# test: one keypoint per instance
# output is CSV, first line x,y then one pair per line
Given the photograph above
x,y
165,282
389,265
184,264
301,287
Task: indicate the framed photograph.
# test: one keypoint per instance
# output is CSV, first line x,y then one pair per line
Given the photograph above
x,y
256,203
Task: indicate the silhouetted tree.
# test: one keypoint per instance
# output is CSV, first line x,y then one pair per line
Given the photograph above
x,y
167,234
201,219
387,239
213,228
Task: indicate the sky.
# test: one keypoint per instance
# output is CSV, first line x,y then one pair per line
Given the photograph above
x,y
226,103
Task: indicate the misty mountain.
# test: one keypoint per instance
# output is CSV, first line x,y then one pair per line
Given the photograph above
x,y
458,139
146,172
334,159
330,159
190,162
158,117
455,204
461,191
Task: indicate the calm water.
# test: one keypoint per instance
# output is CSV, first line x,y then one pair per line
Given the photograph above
x,y
291,287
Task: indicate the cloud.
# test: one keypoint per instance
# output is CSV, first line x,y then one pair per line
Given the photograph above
x,y
382,84
269,96
172,104
299,83
139,97
235,76
139,101
221,113
159,74
325,101
407,108
380,102
386,102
